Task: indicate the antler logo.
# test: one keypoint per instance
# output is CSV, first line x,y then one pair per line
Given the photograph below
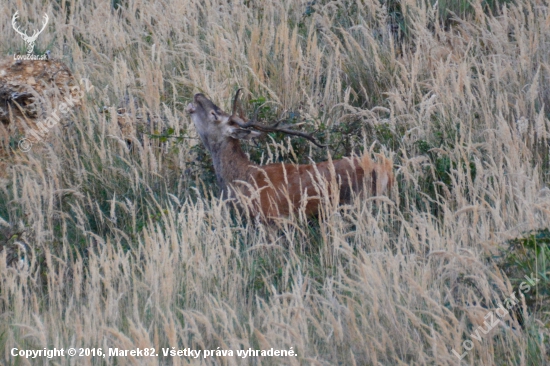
x,y
30,40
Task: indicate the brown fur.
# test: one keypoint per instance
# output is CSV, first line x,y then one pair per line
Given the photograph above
x,y
276,190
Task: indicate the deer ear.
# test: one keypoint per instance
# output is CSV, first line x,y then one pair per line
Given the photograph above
x,y
242,134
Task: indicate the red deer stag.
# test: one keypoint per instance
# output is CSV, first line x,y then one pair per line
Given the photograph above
x,y
276,190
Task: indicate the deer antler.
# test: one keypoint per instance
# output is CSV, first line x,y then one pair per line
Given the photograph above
x,y
283,130
14,24
24,34
254,124
35,34
235,101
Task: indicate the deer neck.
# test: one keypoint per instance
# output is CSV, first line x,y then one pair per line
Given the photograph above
x,y
230,162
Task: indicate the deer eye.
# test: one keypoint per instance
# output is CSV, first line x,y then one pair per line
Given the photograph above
x,y
216,117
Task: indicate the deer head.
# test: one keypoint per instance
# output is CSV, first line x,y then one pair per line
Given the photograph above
x,y
30,40
215,126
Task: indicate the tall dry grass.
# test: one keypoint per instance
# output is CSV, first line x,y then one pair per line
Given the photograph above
x,y
128,249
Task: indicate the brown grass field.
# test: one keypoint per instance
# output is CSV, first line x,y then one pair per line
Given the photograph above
x,y
112,233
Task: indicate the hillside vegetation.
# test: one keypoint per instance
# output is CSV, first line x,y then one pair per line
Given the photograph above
x,y
112,233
